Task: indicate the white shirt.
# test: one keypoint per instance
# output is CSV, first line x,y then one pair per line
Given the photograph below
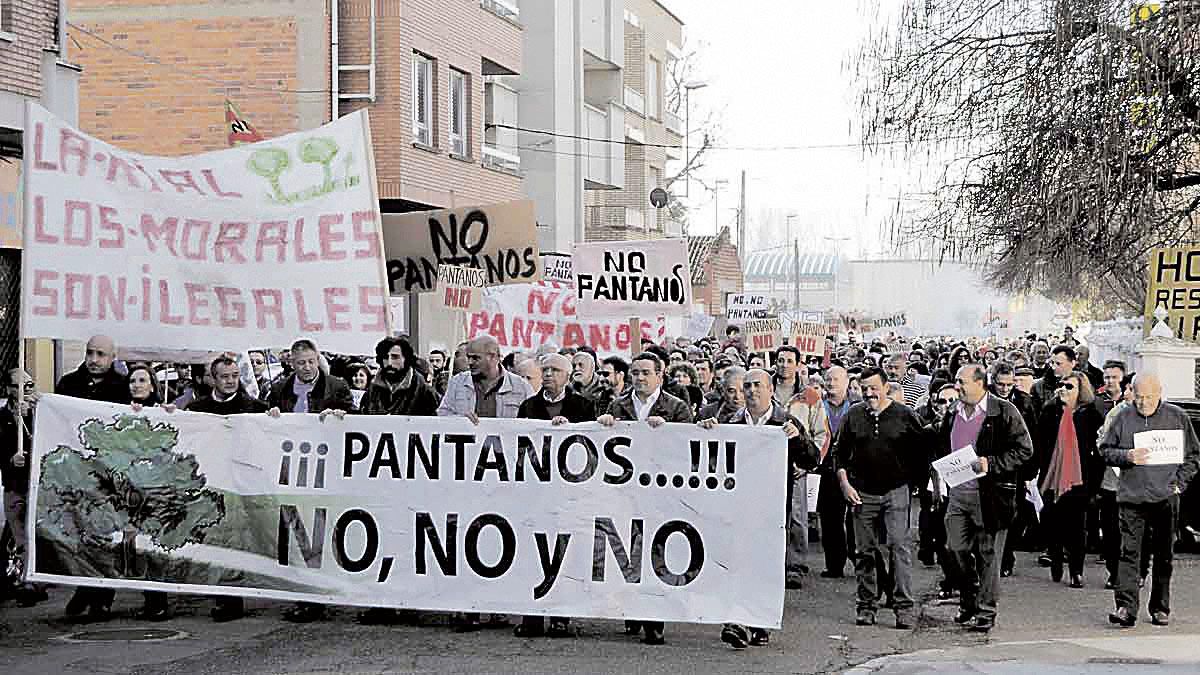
x,y
643,409
757,421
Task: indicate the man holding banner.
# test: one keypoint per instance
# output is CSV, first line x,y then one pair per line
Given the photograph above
x,y
647,402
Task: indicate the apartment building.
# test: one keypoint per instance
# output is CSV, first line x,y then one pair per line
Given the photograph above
x,y
33,67
571,92
653,134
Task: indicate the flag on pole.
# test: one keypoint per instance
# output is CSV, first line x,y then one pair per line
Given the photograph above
x,y
240,129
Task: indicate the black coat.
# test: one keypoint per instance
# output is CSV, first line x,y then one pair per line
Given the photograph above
x,y
802,450
112,387
1024,405
240,404
1088,421
576,408
417,398
668,407
328,393
1005,441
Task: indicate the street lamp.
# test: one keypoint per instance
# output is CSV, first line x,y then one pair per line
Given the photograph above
x,y
795,263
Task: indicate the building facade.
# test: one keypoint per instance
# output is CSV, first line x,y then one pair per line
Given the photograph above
x,y
34,66
653,135
716,272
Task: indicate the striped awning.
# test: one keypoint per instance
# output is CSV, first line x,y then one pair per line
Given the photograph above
x,y
778,264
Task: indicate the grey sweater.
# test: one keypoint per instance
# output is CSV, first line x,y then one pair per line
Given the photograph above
x,y
1147,484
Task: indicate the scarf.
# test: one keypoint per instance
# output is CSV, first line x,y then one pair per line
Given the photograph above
x,y
1065,471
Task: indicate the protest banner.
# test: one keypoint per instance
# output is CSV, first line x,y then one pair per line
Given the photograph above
x,y
500,239
557,267
1165,446
1173,283
955,468
677,523
889,322
742,307
762,335
226,250
460,288
633,278
808,337
527,316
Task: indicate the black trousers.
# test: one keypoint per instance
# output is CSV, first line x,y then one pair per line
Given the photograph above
x,y
837,536
1155,521
1110,523
1065,523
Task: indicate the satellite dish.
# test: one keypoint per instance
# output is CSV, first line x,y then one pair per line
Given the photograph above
x,y
658,198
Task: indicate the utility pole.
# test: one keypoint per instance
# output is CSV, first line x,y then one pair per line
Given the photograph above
x,y
796,273
741,239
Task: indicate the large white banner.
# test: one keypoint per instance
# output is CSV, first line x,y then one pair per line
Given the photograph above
x,y
226,250
633,278
527,316
510,516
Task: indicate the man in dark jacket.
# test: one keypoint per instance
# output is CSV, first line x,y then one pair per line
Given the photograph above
x,y
557,403
227,398
16,422
96,380
981,510
1026,519
762,409
733,398
1063,360
398,389
309,389
1147,495
647,402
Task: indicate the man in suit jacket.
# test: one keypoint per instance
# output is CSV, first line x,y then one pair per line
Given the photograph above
x,y
647,402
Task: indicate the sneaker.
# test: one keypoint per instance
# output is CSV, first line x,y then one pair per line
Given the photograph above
x,y
865,618
1123,617
1160,618
759,637
735,636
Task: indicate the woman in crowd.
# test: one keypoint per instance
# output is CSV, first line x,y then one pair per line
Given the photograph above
x,y
684,374
1069,472
359,377
143,393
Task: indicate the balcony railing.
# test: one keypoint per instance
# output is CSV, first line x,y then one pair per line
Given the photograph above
x,y
672,122
635,102
505,9
495,158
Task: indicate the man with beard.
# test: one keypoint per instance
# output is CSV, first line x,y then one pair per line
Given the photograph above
x,y
96,379
398,389
559,404
227,398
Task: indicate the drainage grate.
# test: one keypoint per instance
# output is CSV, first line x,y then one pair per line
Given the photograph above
x,y
125,635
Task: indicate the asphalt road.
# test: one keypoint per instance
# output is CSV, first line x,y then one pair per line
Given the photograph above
x,y
1061,629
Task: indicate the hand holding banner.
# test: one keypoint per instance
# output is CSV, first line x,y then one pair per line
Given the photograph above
x,y
955,468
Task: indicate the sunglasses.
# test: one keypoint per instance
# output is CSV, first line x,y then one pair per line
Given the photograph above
x,y
1068,386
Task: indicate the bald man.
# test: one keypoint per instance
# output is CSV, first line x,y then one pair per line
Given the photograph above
x,y
560,404
1147,496
485,389
95,379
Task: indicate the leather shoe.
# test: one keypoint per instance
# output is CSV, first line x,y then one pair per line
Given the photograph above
x,y
905,620
865,618
759,637
1160,618
1056,573
78,603
1076,581
559,628
1044,560
225,612
735,636
980,625
633,627
654,637
964,617
1123,617
304,612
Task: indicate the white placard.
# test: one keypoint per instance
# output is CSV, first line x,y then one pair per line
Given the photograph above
x,y
1165,446
633,278
814,489
955,468
433,513
743,307
227,250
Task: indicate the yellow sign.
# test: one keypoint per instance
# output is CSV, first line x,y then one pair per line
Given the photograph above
x,y
1173,283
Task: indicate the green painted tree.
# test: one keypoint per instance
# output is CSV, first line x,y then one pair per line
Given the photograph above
x,y
128,478
321,151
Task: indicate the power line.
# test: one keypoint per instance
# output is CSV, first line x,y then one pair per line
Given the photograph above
x,y
200,76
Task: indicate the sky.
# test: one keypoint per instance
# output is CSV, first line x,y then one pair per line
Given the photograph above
x,y
778,76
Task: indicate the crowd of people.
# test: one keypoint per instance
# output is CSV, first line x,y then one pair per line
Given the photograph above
x,y
1057,471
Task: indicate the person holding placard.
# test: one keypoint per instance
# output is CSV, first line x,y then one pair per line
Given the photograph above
x,y
1154,445
981,509
1065,449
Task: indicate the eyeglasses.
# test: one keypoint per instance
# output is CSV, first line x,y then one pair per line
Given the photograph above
x,y
1067,386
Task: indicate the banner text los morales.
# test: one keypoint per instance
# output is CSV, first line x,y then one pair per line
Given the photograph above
x,y
510,516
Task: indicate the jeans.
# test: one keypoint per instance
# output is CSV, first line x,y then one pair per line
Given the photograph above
x,y
1155,521
977,555
883,518
797,530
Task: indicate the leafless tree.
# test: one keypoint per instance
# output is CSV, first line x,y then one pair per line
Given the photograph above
x,y
1064,132
688,68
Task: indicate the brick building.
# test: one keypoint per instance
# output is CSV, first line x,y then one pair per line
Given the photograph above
x,y
716,271
33,67
652,38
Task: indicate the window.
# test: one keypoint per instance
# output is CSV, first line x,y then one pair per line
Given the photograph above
x,y
6,18
422,99
458,114
652,101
